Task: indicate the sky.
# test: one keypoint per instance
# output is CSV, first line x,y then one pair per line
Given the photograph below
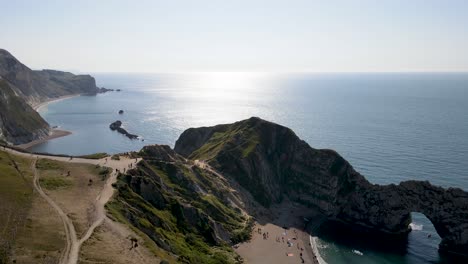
x,y
218,35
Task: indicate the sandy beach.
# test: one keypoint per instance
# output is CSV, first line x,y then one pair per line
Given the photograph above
x,y
54,133
38,106
280,241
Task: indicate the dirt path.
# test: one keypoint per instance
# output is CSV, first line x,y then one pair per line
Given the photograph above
x,y
71,252
70,231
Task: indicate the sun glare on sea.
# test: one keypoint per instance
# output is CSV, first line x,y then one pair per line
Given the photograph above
x,y
228,86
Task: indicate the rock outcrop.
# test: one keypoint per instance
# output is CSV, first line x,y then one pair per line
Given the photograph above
x,y
117,125
272,163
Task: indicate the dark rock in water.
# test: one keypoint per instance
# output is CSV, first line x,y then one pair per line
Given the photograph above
x,y
117,125
104,90
121,112
118,90
272,163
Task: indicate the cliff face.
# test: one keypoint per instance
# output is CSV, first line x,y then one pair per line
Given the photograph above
x,y
271,162
37,86
23,87
19,123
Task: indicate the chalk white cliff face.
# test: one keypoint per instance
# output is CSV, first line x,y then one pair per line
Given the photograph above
x,y
271,162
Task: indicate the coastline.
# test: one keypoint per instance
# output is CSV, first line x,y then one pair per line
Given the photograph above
x,y
287,241
55,133
38,106
313,245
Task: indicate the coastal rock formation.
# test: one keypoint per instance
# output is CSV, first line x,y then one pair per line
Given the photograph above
x,y
117,125
29,88
19,123
104,90
37,86
121,112
272,163
188,211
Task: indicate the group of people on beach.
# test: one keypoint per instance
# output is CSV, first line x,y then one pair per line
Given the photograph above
x,y
283,238
265,235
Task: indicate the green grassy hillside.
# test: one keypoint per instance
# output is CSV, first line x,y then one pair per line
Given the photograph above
x,y
182,209
16,194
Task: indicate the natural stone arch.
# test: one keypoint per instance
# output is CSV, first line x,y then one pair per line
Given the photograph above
x,y
388,209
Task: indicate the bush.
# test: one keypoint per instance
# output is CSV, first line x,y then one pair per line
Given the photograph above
x,y
100,155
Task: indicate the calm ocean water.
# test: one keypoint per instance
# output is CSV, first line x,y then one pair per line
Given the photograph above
x,y
391,127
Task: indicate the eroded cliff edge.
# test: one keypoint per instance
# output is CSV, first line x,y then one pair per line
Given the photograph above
x,y
272,163
22,88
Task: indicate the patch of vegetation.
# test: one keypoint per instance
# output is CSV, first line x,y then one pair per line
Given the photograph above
x,y
47,164
178,219
54,183
104,172
115,157
238,138
16,195
244,234
99,155
115,209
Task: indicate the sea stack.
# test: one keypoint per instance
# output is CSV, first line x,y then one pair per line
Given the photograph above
x,y
117,125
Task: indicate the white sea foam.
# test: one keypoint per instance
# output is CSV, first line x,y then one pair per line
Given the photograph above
x,y
313,244
416,227
357,252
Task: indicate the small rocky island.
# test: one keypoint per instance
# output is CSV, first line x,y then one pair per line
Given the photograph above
x,y
121,112
117,125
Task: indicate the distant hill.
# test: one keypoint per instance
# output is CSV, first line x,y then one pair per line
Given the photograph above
x,y
21,88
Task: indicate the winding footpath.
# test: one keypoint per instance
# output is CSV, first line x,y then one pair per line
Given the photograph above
x,y
71,252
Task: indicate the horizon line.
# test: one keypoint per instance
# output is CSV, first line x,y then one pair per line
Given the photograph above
x,y
263,72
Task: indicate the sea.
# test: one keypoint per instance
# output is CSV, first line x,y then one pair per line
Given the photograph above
x,y
390,126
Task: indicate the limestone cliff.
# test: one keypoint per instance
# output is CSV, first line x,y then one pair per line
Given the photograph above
x,y
22,88
271,162
37,86
19,123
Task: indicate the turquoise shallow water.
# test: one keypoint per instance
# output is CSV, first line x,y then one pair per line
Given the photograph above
x,y
391,127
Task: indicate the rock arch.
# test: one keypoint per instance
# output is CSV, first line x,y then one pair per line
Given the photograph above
x,y
388,209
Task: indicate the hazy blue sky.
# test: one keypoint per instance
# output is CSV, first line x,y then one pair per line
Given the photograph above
x,y
166,36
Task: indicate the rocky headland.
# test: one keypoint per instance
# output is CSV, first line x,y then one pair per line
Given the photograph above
x,y
22,88
207,192
272,163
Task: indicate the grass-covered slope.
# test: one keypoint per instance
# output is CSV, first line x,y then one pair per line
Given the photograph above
x,y
16,194
183,209
19,123
254,152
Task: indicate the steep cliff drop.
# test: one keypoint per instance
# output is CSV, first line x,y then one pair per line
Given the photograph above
x,y
22,88
272,163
